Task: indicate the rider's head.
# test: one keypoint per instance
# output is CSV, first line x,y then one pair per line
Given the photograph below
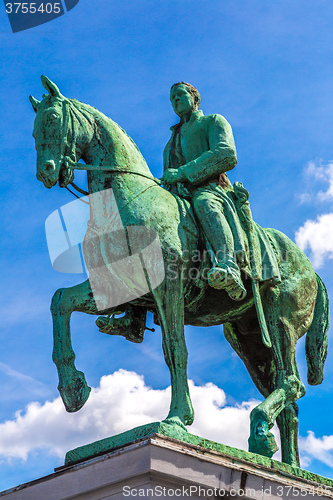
x,y
184,98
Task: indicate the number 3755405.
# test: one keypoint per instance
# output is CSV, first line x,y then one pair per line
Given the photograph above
x,y
32,8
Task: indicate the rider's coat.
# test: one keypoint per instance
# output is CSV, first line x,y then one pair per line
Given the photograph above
x,y
207,146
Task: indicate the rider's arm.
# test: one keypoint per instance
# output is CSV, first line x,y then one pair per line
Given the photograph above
x,y
220,157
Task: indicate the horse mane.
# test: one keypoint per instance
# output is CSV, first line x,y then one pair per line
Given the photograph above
x,y
83,115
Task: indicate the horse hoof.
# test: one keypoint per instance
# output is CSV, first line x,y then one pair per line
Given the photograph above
x,y
75,393
175,421
189,419
262,441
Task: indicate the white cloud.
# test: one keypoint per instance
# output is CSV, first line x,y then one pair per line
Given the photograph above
x,y
214,420
317,172
122,401
317,448
317,235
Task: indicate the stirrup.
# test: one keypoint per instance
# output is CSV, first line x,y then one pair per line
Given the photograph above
x,y
225,278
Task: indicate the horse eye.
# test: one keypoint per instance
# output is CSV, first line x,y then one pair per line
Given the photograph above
x,y
51,116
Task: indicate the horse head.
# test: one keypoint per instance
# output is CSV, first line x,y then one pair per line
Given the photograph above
x,y
55,141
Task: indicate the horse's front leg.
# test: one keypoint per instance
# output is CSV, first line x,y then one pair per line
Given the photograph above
x,y
72,386
170,310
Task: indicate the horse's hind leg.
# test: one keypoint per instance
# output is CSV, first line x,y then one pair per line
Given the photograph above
x,y
73,387
282,321
288,425
289,389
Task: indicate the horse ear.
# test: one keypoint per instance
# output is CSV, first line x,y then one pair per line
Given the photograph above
x,y
50,86
34,102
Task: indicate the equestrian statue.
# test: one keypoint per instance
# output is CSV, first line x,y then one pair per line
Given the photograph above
x,y
209,262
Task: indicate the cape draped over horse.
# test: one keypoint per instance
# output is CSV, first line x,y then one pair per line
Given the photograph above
x,y
67,130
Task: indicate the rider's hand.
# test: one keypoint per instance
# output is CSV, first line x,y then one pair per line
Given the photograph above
x,y
172,176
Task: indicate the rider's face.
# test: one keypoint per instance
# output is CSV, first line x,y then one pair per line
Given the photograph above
x,y
182,101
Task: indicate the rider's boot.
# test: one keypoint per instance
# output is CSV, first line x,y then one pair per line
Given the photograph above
x,y
226,276
131,326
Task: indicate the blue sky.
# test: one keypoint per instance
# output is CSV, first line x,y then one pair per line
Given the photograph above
x,y
267,67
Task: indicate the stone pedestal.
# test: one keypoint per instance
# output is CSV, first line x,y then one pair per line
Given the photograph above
x,y
162,467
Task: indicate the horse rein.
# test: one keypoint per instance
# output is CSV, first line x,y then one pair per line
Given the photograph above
x,y
83,166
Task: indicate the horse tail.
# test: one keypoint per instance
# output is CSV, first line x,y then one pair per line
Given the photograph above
x,y
316,338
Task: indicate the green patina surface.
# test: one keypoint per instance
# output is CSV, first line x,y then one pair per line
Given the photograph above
x,y
108,445
259,284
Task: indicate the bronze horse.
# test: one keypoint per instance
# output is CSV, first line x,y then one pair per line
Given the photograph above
x,y
67,130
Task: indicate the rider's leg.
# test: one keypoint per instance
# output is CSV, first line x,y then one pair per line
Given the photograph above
x,y
226,274
131,326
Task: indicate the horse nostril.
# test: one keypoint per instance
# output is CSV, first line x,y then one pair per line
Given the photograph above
x,y
49,167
